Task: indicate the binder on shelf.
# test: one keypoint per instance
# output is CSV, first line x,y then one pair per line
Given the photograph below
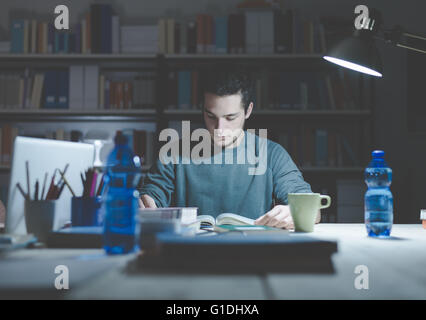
x,y
266,32
115,21
321,148
17,36
191,37
106,29
76,87
170,36
252,34
162,36
96,27
184,90
201,33
51,90
183,37
221,34
91,83
63,88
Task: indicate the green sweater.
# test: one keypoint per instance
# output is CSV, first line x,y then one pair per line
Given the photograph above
x,y
219,188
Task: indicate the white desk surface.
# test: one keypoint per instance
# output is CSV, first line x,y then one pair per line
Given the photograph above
x,y
396,270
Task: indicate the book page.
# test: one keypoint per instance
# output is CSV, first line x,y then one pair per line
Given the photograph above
x,y
206,220
234,219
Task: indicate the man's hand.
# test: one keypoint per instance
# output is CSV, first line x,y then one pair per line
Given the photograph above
x,y
146,202
278,217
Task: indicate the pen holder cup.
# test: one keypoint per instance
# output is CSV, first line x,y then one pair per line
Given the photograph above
x,y
86,211
40,217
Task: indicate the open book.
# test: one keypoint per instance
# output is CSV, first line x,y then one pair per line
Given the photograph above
x,y
224,219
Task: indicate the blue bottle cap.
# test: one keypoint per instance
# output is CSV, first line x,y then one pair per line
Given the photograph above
x,y
120,138
378,154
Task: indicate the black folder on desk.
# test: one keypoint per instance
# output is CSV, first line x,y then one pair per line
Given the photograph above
x,y
289,253
76,237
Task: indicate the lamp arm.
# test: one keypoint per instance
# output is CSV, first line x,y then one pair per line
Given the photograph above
x,y
394,36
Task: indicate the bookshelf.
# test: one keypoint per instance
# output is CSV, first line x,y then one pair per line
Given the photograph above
x,y
301,54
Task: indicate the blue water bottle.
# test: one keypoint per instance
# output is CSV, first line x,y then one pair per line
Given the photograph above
x,y
123,171
378,198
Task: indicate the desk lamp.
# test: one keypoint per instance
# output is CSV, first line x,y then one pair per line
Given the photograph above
x,y
359,52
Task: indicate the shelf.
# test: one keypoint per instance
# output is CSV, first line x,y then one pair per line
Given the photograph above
x,y
6,168
132,56
283,112
311,169
76,115
243,56
72,56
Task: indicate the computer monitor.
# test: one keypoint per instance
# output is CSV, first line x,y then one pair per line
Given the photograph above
x,y
44,156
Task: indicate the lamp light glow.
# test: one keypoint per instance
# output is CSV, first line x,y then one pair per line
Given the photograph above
x,y
353,66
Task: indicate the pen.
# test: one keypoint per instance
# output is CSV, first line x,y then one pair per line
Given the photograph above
x,y
64,172
93,186
60,190
22,191
44,186
36,191
101,186
66,182
28,178
51,187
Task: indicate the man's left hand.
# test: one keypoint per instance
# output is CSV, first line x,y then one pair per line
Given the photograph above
x,y
278,217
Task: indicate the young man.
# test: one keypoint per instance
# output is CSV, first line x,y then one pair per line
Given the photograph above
x,y
217,188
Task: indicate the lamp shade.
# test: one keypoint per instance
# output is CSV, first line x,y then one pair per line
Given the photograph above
x,y
357,53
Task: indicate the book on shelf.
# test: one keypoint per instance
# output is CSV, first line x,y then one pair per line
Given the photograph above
x,y
255,30
139,39
318,147
7,138
79,87
142,143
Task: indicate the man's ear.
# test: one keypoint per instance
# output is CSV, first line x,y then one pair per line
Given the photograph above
x,y
249,110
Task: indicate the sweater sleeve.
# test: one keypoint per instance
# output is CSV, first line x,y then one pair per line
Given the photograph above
x,y
286,176
159,183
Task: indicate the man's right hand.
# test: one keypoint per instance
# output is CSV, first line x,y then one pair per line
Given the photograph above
x,y
146,202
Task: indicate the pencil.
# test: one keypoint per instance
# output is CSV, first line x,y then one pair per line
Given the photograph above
x,y
93,186
52,184
100,188
66,182
44,186
65,171
22,191
28,178
36,191
60,190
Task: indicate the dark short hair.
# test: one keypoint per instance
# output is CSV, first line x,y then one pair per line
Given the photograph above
x,y
224,80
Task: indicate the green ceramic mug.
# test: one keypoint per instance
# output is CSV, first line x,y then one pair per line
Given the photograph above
x,y
304,209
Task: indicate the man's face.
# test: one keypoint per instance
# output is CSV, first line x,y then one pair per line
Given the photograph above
x,y
224,117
